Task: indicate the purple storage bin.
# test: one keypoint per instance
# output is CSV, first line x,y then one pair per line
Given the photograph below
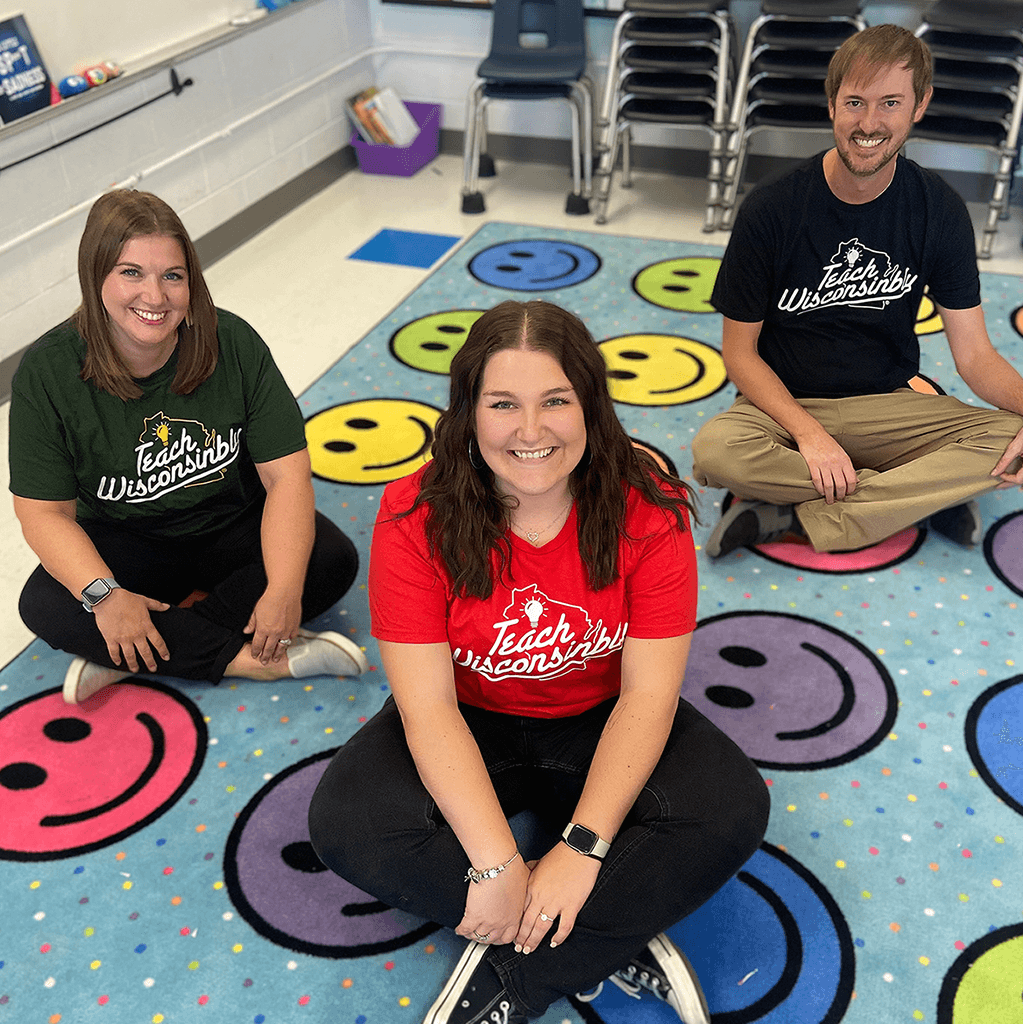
x,y
403,160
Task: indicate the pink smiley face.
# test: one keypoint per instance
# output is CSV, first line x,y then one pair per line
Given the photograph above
x,y
74,779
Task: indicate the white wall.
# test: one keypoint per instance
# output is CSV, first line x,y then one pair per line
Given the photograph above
x,y
230,168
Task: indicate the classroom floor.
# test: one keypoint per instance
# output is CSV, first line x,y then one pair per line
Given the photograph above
x,y
295,283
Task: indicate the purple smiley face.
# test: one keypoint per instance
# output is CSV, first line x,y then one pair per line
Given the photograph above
x,y
793,693
281,888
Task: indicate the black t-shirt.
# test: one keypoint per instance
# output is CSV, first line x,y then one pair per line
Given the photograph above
x,y
838,286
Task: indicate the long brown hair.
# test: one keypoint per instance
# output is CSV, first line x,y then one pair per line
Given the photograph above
x,y
467,518
116,218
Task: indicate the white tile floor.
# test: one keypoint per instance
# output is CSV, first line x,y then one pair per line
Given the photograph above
x,y
294,283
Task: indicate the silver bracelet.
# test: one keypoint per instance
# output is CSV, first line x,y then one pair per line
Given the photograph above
x,y
478,876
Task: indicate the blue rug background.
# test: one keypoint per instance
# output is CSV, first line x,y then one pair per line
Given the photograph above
x,y
887,876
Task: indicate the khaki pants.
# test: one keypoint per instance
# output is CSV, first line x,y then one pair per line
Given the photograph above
x,y
914,455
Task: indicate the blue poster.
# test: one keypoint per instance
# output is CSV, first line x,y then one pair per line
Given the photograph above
x,y
24,83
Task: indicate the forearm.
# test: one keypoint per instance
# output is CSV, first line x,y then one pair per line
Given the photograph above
x,y
991,378
62,546
628,751
286,532
452,769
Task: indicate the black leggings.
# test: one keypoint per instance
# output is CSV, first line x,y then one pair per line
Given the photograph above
x,y
205,638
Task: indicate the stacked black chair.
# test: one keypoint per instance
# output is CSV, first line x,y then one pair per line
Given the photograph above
x,y
978,88
780,82
537,52
670,65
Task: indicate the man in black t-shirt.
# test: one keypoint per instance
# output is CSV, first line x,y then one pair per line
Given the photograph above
x,y
819,288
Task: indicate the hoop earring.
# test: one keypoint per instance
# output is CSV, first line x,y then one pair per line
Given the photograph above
x,y
474,449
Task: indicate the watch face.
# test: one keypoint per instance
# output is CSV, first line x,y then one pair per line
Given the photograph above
x,y
581,838
96,591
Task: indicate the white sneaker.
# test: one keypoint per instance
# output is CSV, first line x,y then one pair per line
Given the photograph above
x,y
325,654
84,679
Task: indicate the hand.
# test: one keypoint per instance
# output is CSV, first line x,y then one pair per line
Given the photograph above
x,y
276,617
493,907
1012,452
558,887
831,469
123,619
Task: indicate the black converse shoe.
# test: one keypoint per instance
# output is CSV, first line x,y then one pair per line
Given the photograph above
x,y
474,994
662,968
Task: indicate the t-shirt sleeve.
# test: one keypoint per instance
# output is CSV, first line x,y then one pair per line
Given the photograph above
x,y
661,588
955,280
743,287
274,426
41,464
408,598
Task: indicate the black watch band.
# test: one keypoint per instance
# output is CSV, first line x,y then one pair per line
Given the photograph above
x,y
585,841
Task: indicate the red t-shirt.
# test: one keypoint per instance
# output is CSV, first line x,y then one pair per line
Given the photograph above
x,y
543,645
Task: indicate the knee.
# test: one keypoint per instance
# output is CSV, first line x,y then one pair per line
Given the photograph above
x,y
711,460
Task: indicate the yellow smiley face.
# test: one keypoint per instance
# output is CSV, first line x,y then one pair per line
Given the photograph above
x,y
372,441
661,369
681,284
928,319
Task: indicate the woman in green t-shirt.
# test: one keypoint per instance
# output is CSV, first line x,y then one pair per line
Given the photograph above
x,y
156,451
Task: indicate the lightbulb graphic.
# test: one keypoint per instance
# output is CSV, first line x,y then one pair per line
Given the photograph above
x,y
533,609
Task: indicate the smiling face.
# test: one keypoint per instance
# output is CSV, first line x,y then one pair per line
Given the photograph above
x,y
530,425
872,117
146,298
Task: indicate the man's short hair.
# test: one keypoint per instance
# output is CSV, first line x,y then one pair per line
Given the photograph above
x,y
869,52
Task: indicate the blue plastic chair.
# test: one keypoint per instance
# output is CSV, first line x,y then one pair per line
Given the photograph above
x,y
537,52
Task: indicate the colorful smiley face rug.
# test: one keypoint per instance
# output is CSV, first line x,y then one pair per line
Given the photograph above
x,y
793,693
77,778
280,887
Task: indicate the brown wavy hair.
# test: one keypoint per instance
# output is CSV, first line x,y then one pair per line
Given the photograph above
x,y
869,52
115,218
467,518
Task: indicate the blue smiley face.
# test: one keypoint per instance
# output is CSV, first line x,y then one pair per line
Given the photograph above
x,y
534,265
770,947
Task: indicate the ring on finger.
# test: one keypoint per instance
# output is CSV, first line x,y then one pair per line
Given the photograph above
x,y
285,642
481,938
544,917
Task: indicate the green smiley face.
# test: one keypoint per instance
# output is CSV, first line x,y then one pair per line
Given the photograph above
x,y
431,342
681,284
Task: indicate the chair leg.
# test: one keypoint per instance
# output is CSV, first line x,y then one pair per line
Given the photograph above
x,y
576,203
472,199
583,90
607,160
607,104
627,157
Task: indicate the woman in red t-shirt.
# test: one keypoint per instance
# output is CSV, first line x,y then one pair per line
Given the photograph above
x,y
533,592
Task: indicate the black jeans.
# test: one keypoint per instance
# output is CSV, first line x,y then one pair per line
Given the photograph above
x,y
205,638
701,815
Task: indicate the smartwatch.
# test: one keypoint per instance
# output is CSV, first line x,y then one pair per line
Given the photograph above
x,y
585,841
97,590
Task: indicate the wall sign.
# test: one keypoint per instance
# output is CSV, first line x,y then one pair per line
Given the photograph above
x,y
24,83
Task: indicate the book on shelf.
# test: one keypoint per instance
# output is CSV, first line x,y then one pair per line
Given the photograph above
x,y
380,117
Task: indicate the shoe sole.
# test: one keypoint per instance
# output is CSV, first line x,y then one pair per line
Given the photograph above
x,y
350,647
679,976
71,680
451,994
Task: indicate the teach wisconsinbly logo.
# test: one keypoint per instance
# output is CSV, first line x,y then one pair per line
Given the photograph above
x,y
542,639
172,454
856,276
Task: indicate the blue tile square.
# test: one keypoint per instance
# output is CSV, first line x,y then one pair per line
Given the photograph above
x,y
405,248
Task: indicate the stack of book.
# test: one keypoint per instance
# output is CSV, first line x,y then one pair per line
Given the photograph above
x,y
380,117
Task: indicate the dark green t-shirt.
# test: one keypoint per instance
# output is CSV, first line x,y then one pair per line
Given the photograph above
x,y
164,465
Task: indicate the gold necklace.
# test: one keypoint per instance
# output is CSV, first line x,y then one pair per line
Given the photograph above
x,y
534,535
